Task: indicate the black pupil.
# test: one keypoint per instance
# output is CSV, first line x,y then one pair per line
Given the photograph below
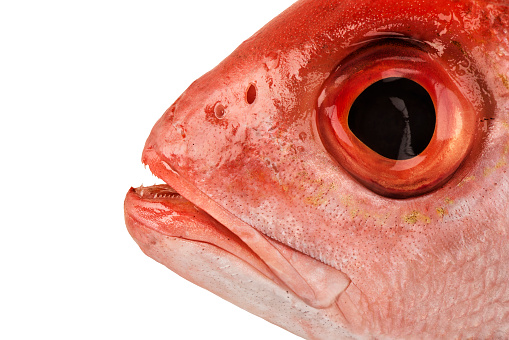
x,y
394,117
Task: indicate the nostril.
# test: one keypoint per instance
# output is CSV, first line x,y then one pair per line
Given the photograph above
x,y
219,111
251,94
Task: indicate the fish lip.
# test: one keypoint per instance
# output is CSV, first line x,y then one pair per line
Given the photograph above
x,y
161,210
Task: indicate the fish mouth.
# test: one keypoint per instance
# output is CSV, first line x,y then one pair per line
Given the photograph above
x,y
159,211
161,191
179,210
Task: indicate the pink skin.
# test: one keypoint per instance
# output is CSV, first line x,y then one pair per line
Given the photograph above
x,y
290,218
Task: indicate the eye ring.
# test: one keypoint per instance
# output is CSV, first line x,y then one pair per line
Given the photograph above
x,y
450,144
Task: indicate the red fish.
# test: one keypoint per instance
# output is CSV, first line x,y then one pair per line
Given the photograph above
x,y
343,173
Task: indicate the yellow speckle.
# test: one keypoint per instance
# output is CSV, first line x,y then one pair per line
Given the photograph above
x,y
315,200
412,218
302,174
441,211
319,197
488,171
415,217
500,163
505,80
449,200
346,200
354,213
465,180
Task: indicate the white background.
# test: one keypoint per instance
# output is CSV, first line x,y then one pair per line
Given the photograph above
x,y
81,85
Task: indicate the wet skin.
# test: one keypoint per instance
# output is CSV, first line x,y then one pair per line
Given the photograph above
x,y
273,203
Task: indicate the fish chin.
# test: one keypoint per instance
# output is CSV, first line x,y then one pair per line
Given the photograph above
x,y
223,265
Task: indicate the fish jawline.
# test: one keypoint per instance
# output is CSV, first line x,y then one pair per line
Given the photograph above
x,y
317,284
238,279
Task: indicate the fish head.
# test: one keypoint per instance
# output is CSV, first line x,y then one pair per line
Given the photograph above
x,y
274,203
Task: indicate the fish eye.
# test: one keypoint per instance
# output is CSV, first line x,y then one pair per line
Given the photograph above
x,y
393,116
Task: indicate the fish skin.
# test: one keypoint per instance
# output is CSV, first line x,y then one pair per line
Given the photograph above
x,y
315,251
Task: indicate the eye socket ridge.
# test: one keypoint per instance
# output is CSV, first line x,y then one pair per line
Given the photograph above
x,y
453,136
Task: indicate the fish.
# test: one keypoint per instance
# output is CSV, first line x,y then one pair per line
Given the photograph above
x,y
290,192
